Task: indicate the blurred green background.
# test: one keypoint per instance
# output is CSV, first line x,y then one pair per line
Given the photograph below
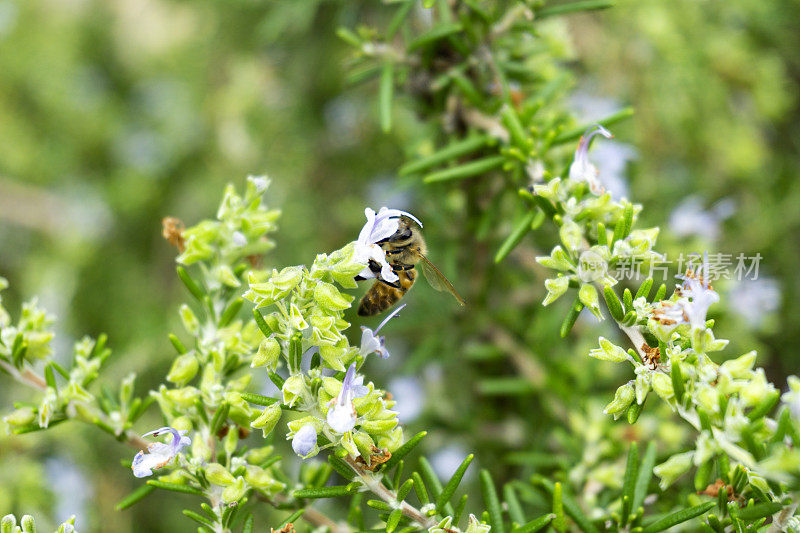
x,y
114,114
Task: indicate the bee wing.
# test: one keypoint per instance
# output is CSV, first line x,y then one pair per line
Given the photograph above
x,y
438,281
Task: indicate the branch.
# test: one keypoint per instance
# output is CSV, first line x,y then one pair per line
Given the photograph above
x,y
33,380
390,497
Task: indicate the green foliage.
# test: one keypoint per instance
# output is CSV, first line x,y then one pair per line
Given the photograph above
x,y
490,144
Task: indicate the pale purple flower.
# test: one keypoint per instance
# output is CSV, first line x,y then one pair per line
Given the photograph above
x,y
379,226
305,440
159,453
371,343
239,239
697,296
582,169
342,414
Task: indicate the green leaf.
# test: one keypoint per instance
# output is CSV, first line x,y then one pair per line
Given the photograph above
x,y
644,289
467,170
629,483
200,519
452,485
517,234
134,497
258,399
326,492
570,506
190,284
393,520
220,416
677,380
385,96
491,502
432,481
262,324
179,347
678,517
535,524
440,31
448,153
174,487
419,488
560,521
248,524
759,510
512,503
575,134
644,475
230,312
403,450
398,18
341,467
572,316
613,304
573,7
292,517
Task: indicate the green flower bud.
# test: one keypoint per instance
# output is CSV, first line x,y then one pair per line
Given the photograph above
x,y
8,523
235,492
364,443
268,418
296,319
27,524
268,352
293,389
288,278
741,367
126,389
571,234
231,441
476,527
328,297
200,449
189,319
757,389
20,417
557,260
349,445
224,274
76,393
662,384
184,398
296,424
609,351
257,456
263,480
588,297
184,369
707,398
673,468
333,355
219,475
379,426
642,387
392,441
622,400
555,288
182,423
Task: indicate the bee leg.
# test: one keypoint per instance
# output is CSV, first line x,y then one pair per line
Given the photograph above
x,y
392,284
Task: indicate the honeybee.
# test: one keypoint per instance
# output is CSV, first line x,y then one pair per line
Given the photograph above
x,y
404,249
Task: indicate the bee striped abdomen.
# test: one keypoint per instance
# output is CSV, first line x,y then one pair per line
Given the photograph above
x,y
382,296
